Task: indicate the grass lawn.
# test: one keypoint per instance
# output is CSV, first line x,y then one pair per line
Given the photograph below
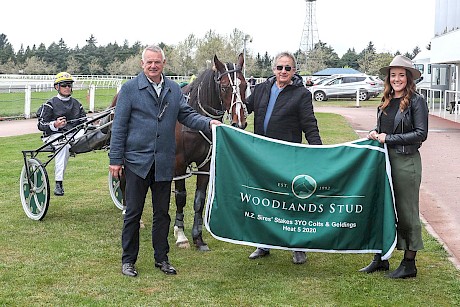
x,y
72,257
12,104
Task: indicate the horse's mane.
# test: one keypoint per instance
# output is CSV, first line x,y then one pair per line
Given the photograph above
x,y
206,87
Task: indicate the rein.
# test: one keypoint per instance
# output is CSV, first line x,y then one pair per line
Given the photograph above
x,y
236,102
218,114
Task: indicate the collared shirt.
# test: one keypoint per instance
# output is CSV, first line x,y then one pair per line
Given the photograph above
x,y
157,87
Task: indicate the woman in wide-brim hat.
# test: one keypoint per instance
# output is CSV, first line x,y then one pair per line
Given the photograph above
x,y
402,123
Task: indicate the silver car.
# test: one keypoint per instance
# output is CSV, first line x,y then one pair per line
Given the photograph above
x,y
346,86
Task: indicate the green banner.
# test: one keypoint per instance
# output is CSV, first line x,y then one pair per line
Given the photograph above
x,y
329,198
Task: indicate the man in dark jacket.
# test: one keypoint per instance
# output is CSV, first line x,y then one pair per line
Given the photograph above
x,y
143,146
283,109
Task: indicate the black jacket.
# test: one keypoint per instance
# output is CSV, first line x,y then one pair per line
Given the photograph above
x,y
54,108
292,113
410,127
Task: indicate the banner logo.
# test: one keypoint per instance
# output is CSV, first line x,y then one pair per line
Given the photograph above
x,y
303,186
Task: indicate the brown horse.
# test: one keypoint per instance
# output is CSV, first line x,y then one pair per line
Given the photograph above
x,y
214,93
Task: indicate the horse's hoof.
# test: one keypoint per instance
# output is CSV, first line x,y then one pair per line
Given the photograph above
x,y
183,244
182,241
203,248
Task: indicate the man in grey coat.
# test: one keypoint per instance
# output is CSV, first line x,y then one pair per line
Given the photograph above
x,y
142,146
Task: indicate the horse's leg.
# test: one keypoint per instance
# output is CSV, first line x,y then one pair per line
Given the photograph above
x,y
198,206
180,194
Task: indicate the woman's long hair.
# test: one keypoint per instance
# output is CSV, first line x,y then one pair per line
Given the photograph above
x,y
388,92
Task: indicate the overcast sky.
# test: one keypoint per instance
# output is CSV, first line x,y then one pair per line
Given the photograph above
x,y
275,26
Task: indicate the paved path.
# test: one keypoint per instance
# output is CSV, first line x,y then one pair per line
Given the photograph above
x,y
439,201
18,127
439,205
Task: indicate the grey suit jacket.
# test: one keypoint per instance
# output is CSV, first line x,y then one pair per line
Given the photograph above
x,y
143,131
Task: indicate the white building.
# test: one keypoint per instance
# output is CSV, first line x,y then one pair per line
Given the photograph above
x,y
440,66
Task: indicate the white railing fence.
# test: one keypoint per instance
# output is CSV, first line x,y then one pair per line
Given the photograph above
x,y
29,84
442,103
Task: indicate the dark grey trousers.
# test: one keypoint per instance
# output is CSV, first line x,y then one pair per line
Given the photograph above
x,y
136,191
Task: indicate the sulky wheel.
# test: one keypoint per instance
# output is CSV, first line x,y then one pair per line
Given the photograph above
x,y
35,192
115,191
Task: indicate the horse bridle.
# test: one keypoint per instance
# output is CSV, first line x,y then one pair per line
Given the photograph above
x,y
236,101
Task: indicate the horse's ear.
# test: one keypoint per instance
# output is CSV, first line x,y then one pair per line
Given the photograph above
x,y
218,64
241,60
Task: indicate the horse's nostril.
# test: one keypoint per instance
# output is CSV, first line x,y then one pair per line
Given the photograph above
x,y
240,126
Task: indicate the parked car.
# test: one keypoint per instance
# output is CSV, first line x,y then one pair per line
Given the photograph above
x,y
379,81
345,86
320,80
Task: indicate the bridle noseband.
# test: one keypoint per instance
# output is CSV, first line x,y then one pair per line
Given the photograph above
x,y
236,101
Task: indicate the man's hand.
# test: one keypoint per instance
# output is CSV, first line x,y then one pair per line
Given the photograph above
x,y
214,122
116,171
60,122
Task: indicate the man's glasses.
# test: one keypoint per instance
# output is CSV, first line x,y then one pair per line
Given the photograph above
x,y
65,84
280,67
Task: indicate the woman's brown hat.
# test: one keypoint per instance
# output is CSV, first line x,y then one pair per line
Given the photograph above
x,y
404,62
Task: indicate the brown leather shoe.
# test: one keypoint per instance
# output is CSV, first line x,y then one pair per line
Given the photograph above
x,y
166,268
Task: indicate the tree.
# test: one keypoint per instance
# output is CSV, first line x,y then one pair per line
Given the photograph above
x,y
263,66
415,51
131,66
73,65
408,55
301,58
20,56
37,66
182,59
6,50
94,68
366,57
321,57
9,67
187,57
236,45
350,59
40,52
209,46
380,60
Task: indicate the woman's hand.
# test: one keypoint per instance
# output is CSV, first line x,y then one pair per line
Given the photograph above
x,y
373,135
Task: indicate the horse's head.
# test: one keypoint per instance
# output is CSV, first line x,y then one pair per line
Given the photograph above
x,y
233,87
